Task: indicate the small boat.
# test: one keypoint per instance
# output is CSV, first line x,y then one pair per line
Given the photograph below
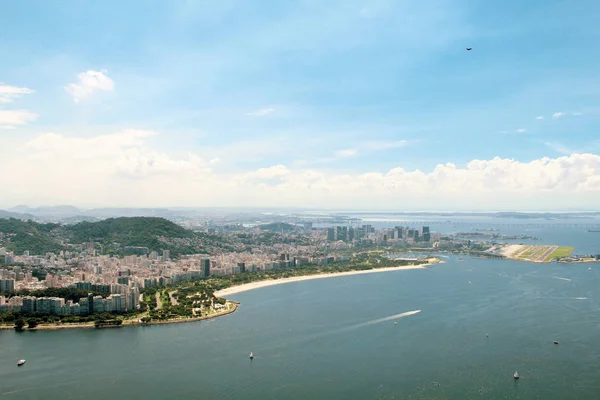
x,y
20,362
251,356
395,323
590,268
556,342
516,375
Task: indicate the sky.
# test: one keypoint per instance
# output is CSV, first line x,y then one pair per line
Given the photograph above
x,y
340,104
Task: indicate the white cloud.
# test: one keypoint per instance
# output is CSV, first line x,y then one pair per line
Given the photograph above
x,y
9,93
89,82
122,169
539,118
10,118
261,112
521,130
557,115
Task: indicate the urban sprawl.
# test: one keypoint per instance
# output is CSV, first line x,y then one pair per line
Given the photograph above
x,y
118,281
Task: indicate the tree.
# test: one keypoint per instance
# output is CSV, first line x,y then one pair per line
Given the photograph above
x,y
32,323
19,324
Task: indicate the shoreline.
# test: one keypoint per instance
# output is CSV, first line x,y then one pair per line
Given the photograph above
x,y
229,291
126,323
272,282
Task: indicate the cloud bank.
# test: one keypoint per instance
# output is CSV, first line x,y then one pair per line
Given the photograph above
x,y
122,169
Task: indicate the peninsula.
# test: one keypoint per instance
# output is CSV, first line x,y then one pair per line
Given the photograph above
x,y
202,299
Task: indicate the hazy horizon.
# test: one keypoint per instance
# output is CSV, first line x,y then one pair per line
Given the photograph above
x,y
24,208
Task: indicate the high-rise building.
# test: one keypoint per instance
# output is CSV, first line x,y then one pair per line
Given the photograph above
x,y
166,255
242,266
133,299
398,232
426,234
99,304
90,302
205,267
360,233
123,280
84,306
29,304
351,234
416,233
9,258
331,234
342,233
7,285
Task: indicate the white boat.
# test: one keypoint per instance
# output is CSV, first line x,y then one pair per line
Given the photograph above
x,y
516,375
20,362
251,356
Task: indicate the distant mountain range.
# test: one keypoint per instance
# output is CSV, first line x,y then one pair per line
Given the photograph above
x,y
69,214
9,214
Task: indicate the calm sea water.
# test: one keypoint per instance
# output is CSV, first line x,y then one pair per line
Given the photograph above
x,y
330,339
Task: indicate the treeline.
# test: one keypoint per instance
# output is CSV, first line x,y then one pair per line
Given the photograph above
x,y
44,318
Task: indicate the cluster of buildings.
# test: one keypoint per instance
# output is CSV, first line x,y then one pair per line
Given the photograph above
x,y
381,236
119,303
121,279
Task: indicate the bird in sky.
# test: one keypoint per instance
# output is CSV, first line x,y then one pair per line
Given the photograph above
x,y
469,48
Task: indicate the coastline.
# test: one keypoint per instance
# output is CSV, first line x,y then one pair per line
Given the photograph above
x,y
232,290
130,322
260,284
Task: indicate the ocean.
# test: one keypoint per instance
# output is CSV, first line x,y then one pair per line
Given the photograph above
x,y
462,329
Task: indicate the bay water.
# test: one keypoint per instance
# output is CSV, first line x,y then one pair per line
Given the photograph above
x,y
462,329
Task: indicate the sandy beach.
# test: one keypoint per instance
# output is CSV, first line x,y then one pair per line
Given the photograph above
x,y
233,290
257,285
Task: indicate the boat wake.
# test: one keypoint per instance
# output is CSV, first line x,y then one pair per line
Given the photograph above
x,y
579,298
390,318
319,335
563,279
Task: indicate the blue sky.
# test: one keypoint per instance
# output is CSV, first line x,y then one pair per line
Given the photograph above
x,y
341,88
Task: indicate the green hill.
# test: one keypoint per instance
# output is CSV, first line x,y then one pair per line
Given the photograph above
x,y
113,234
131,230
17,236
